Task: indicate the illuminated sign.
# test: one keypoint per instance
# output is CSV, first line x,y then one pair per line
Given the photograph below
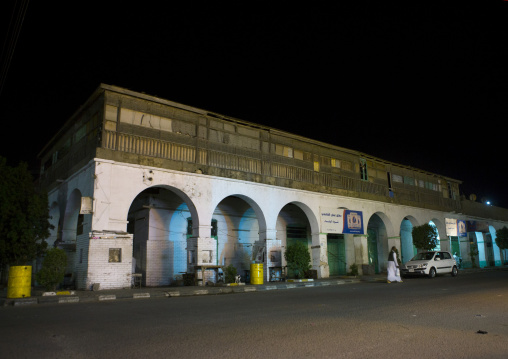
x,y
455,227
334,220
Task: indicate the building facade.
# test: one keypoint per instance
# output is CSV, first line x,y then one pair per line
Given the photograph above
x,y
139,184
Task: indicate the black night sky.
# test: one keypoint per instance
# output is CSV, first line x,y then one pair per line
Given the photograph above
x,y
420,85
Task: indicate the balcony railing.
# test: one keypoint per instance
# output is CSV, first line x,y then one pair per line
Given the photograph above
x,y
226,157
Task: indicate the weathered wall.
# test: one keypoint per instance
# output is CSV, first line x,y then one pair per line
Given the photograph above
x,y
115,185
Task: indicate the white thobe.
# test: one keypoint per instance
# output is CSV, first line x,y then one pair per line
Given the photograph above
x,y
393,273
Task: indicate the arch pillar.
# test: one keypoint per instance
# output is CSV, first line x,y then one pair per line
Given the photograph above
x,y
273,248
109,257
319,255
445,243
201,250
361,251
69,235
394,242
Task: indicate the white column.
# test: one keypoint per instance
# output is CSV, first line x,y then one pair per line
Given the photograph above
x,y
320,255
273,254
394,241
361,251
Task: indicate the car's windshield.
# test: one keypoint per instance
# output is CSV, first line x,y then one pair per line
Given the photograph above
x,y
423,256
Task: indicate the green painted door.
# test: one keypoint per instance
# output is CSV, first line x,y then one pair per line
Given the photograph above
x,y
372,249
455,245
336,254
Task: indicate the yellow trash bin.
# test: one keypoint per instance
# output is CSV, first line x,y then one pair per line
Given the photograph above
x,y
256,273
20,282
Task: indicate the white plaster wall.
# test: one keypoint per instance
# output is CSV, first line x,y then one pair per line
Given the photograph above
x,y
207,192
115,185
109,275
81,182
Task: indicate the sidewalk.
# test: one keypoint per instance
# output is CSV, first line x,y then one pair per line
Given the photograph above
x,y
79,296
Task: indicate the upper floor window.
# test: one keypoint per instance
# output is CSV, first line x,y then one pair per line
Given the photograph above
x,y
291,152
409,180
363,170
339,163
432,186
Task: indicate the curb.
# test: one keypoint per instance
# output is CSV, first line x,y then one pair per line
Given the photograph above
x,y
66,297
72,297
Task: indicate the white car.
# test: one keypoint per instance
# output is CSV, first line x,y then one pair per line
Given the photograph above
x,y
430,264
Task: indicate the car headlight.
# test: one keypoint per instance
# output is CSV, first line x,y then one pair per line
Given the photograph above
x,y
424,265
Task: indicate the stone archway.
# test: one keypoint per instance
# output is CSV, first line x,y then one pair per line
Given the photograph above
x,y
54,220
239,223
377,243
407,248
72,218
159,219
297,223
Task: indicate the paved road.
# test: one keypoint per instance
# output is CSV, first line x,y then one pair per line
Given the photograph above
x,y
419,318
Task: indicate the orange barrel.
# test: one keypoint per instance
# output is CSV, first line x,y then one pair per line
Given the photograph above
x,y
20,282
256,273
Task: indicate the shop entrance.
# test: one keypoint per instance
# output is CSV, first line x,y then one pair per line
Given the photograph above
x,y
336,254
372,249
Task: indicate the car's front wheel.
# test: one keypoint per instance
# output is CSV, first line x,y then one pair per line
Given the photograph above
x,y
432,272
454,271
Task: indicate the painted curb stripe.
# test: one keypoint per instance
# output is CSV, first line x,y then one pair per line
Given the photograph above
x,y
172,294
141,295
68,300
201,292
26,301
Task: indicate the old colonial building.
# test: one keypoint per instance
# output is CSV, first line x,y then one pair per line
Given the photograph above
x,y
139,184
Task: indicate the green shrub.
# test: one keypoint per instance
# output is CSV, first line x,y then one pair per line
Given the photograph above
x,y
298,259
473,253
53,269
354,270
425,237
230,273
502,241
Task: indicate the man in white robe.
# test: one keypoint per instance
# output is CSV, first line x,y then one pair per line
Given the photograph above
x,y
393,267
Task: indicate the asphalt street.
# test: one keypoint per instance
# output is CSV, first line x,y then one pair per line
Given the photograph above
x,y
444,317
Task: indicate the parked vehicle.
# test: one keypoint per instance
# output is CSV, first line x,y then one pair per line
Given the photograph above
x,y
430,264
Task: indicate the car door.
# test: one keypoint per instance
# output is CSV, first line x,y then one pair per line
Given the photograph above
x,y
445,263
436,262
450,260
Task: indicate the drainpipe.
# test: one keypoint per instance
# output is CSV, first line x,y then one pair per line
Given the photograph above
x,y
217,252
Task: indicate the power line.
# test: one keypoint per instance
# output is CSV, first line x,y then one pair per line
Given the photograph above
x,y
11,39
